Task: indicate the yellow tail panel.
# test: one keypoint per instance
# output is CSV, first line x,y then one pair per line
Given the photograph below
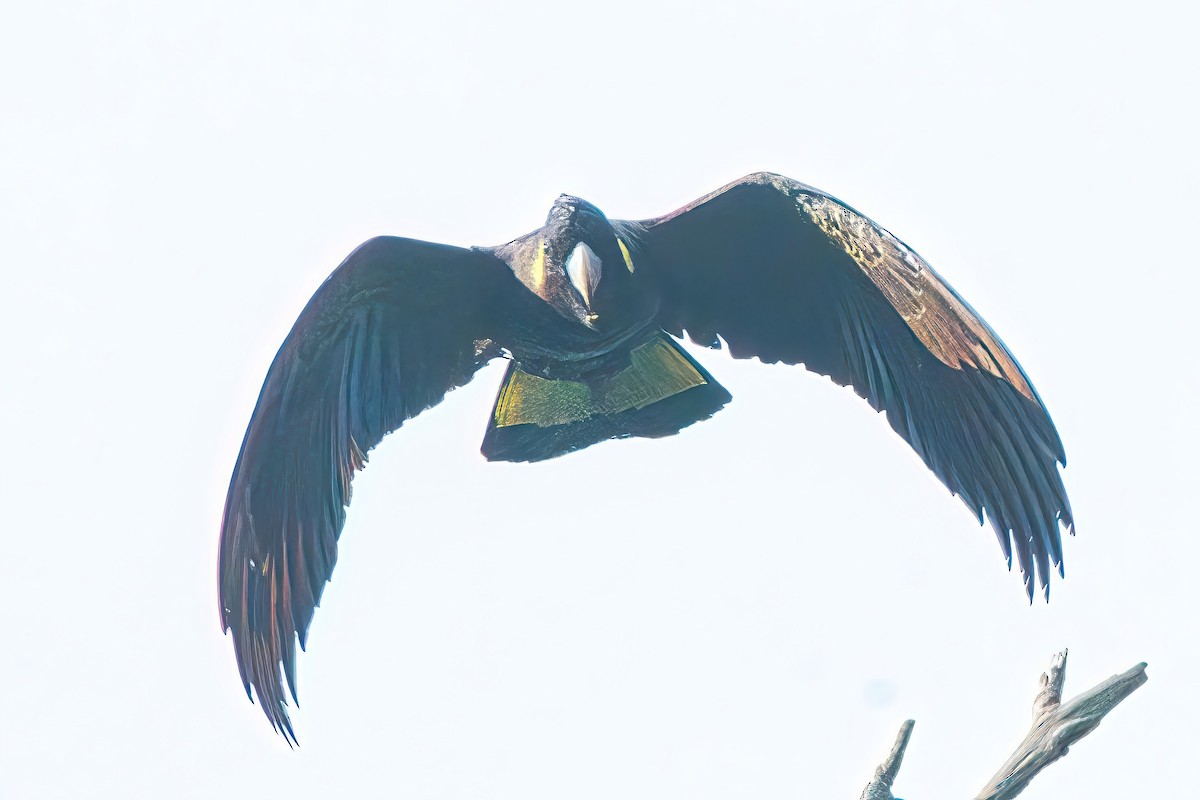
x,y
657,370
661,391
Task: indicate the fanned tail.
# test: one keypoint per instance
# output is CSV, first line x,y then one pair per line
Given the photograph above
x,y
661,392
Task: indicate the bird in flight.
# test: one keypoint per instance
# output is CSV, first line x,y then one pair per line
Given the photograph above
x,y
587,311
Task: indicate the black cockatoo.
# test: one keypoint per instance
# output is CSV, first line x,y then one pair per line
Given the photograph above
x,y
585,309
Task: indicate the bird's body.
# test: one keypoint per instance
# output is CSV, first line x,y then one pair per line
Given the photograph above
x,y
586,310
603,368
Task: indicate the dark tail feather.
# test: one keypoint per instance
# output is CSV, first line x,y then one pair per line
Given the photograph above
x,y
662,391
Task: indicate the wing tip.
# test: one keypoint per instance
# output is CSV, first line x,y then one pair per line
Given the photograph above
x,y
272,699
265,666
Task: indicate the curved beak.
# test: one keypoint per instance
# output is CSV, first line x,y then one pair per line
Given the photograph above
x,y
583,270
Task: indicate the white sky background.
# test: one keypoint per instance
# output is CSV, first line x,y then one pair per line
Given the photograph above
x,y
749,609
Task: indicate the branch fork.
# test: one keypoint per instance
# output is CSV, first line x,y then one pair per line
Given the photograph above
x,y
1056,726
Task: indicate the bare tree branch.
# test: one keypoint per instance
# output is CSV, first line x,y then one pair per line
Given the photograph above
x,y
880,788
1056,726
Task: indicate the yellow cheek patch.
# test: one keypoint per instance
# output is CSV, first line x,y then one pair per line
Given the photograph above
x,y
538,270
625,253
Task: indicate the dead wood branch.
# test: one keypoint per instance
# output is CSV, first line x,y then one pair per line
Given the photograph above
x,y
1056,726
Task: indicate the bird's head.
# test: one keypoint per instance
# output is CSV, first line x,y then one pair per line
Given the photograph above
x,y
581,265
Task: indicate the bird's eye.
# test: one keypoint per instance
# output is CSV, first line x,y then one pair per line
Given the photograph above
x,y
625,255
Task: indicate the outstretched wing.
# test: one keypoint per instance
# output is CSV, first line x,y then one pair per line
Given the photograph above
x,y
787,273
394,328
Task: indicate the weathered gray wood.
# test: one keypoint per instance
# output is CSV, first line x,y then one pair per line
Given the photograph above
x,y
880,787
1056,726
